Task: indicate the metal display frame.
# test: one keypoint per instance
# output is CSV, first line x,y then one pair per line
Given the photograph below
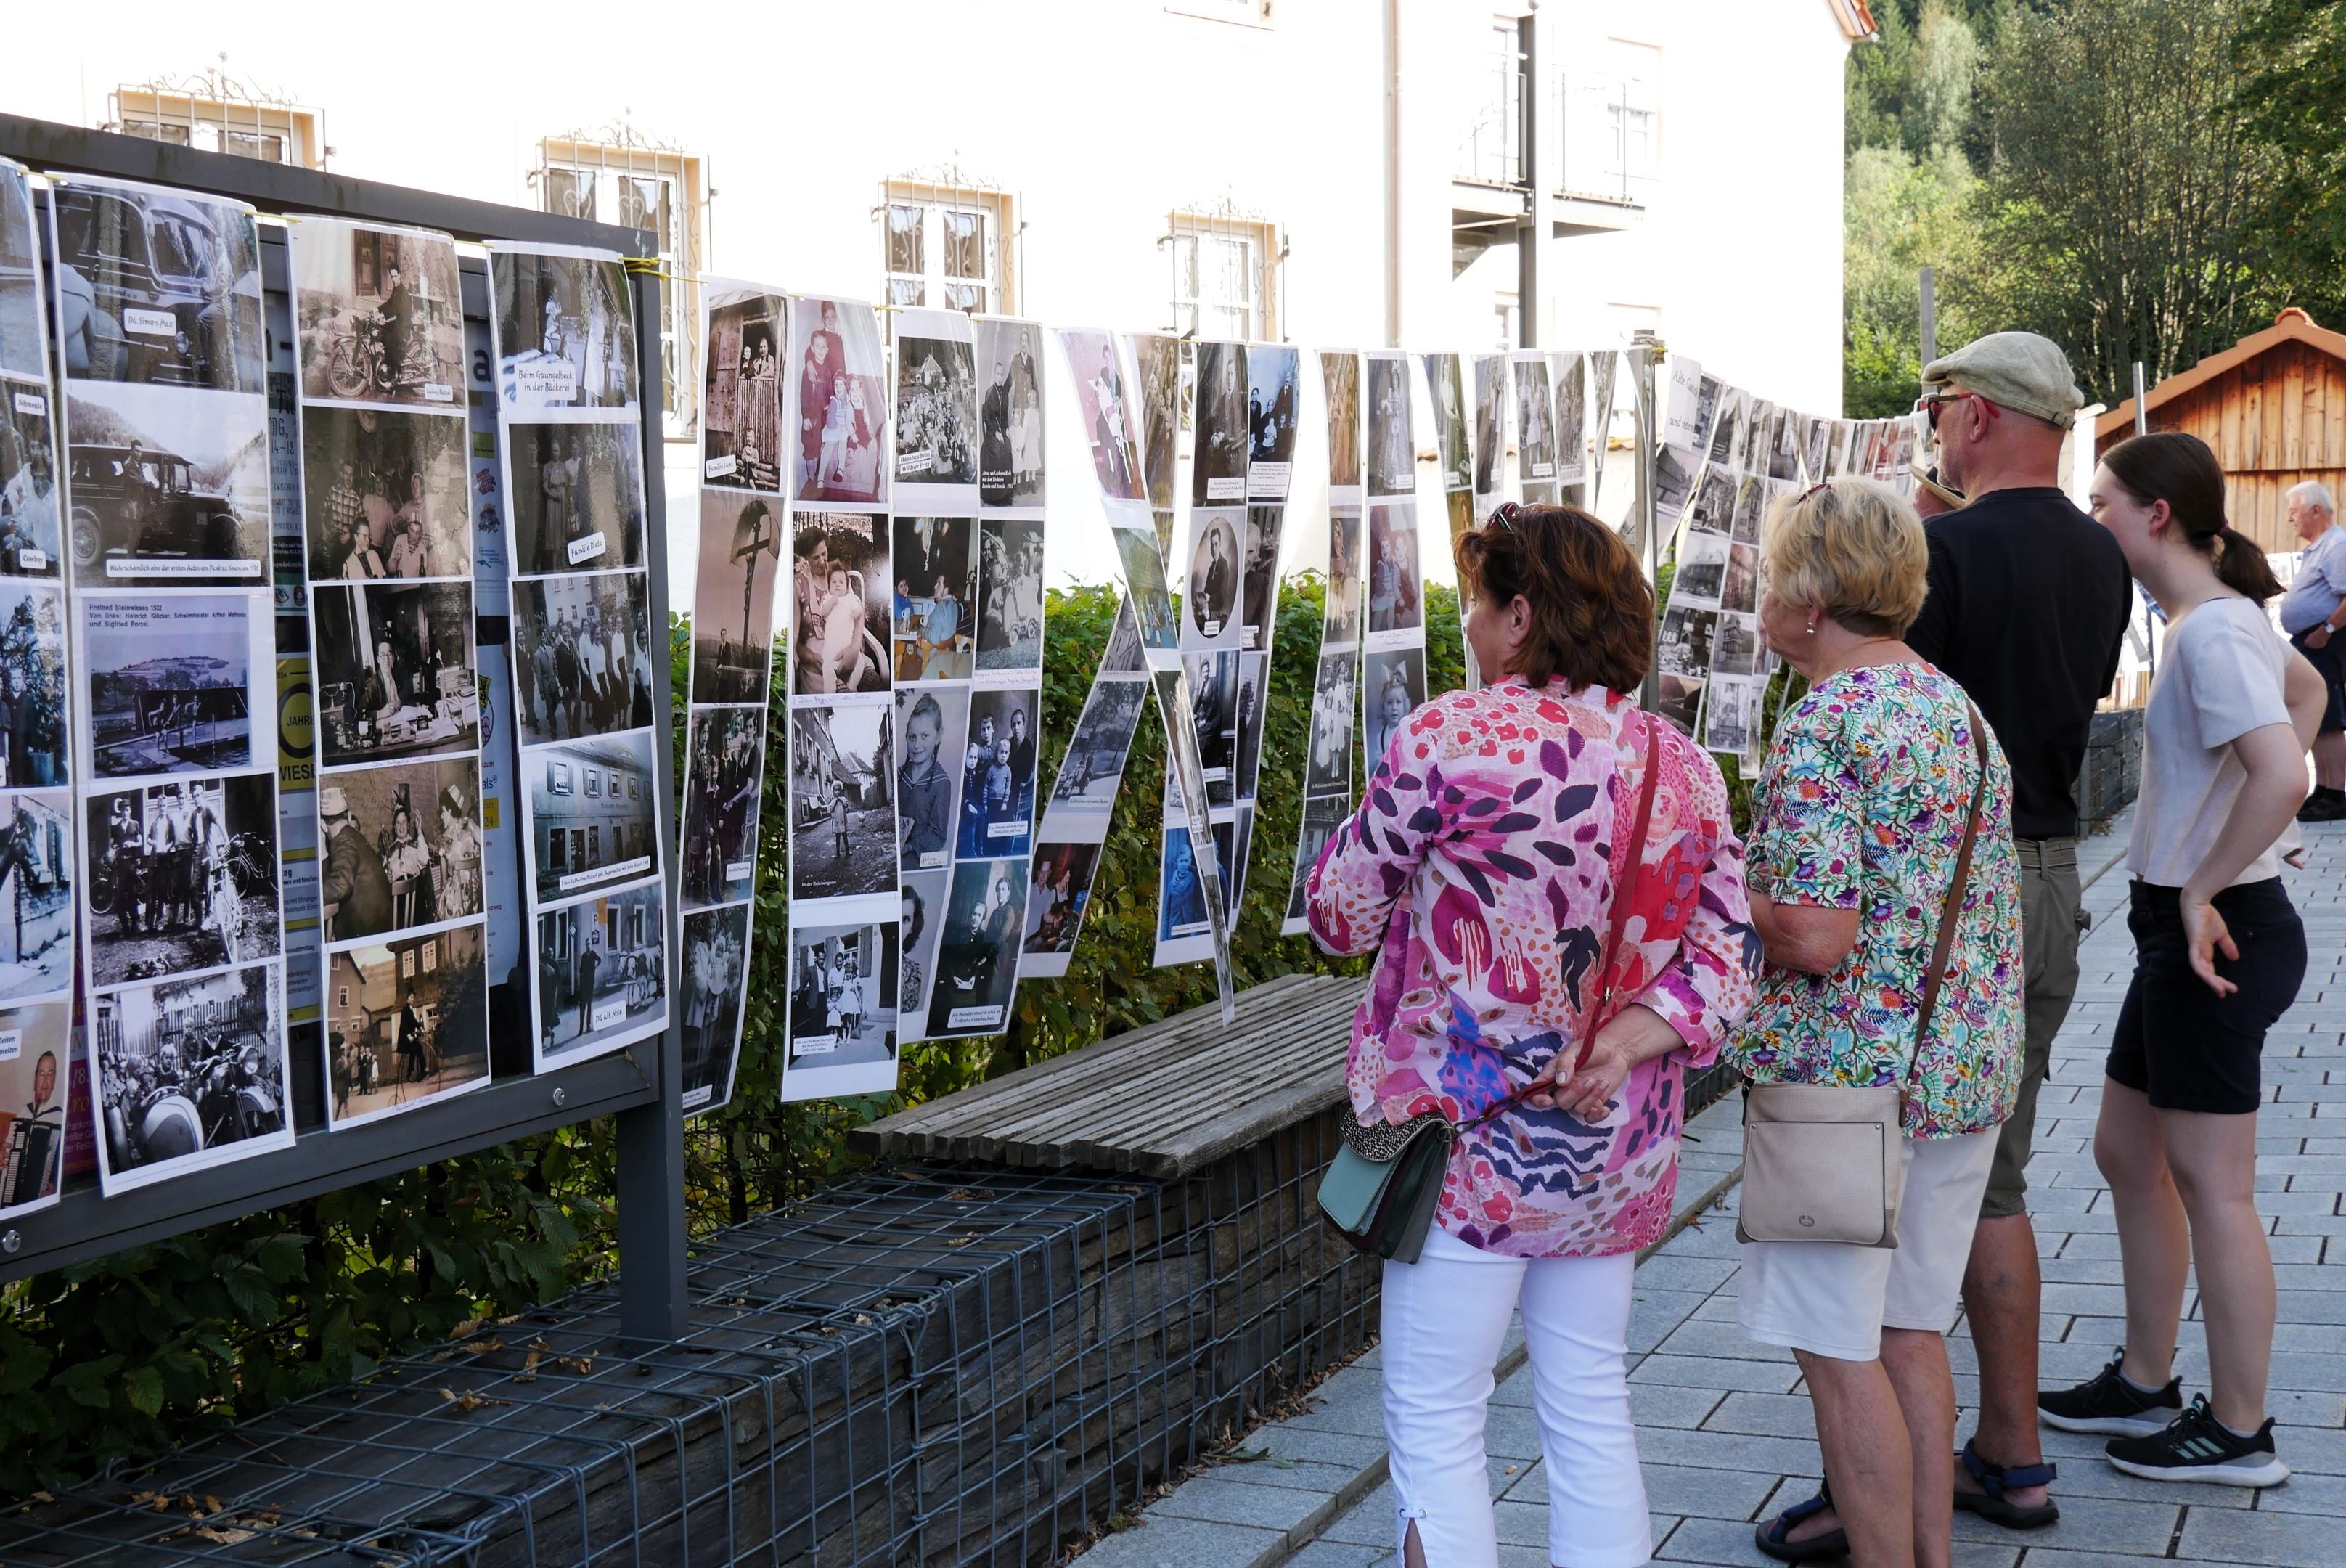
x,y
641,1085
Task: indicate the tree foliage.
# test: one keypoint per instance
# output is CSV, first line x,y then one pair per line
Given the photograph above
x,y
2293,96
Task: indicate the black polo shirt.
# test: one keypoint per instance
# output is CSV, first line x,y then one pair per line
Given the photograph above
x,y
2028,602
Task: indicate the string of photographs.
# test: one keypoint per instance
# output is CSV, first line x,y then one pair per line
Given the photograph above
x,y
969,662
1454,453
1106,407
169,487
737,566
1393,641
1082,804
844,910
36,863
1247,408
1330,779
388,553
589,757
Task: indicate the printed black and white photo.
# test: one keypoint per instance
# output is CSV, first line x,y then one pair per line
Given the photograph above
x,y
1394,684
1158,384
741,407
1443,385
379,315
843,798
36,907
388,493
1711,508
395,671
1673,483
582,655
1274,409
1010,593
1784,451
1679,699
711,980
1339,380
1702,567
182,877
32,685
1737,647
997,778
155,286
1125,655
936,410
842,1010
733,592
577,501
602,971
1392,455
1143,576
1331,740
922,922
1096,753
1571,418
1750,508
1058,889
1817,459
31,542
407,1022
1259,588
1211,603
1726,429
935,608
399,847
723,774
1395,591
1181,895
1751,443
1254,670
1684,646
190,1073
840,578
1340,614
566,330
166,487
932,738
977,951
1322,815
1010,413
36,1052
1107,415
1535,422
1727,717
1491,399
842,402
1214,718
1219,457
20,302
171,682
591,821
1739,591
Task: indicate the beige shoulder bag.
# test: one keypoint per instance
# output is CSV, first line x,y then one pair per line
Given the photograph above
x,y
1822,1162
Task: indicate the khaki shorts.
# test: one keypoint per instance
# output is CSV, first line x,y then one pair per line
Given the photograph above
x,y
1835,1300
2049,897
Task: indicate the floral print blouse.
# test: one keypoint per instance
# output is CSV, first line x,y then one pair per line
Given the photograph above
x,y
1481,869
1861,806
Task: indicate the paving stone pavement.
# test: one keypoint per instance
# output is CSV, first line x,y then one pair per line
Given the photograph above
x,y
1725,1431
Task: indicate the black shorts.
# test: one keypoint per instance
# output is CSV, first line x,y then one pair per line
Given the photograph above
x,y
2177,1040
2330,659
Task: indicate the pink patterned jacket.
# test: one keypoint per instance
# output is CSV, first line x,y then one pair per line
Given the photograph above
x,y
1480,867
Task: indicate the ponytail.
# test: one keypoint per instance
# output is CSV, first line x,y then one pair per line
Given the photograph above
x,y
2180,469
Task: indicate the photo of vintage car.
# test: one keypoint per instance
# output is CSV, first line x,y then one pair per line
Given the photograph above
x,y
157,288
145,504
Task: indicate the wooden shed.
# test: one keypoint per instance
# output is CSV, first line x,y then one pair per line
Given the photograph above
x,y
2274,406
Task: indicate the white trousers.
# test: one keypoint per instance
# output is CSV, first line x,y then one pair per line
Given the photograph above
x,y
1443,1319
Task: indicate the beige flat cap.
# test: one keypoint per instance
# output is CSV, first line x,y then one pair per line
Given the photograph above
x,y
2017,370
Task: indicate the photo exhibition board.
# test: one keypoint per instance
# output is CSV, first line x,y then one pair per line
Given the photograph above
x,y
1536,460
1392,636
844,894
37,776
169,487
387,547
969,663
736,580
1457,463
1603,380
1107,407
1082,802
1332,774
590,752
1494,476
1568,380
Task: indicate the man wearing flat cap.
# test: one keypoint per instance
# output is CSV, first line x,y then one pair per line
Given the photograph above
x,y
351,881
2028,601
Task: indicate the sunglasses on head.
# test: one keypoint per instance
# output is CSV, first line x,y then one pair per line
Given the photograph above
x,y
1504,517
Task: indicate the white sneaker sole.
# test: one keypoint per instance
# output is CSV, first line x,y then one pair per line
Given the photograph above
x,y
2110,1426
2273,1473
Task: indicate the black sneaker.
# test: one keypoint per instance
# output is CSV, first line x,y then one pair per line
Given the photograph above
x,y
2323,805
2196,1446
2110,1405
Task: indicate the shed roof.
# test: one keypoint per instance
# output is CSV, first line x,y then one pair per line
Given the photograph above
x,y
2292,326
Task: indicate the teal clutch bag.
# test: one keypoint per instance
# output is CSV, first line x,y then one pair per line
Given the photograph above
x,y
1379,1192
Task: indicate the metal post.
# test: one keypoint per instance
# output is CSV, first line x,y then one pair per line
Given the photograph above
x,y
2150,617
1929,315
2141,405
652,1304
1527,229
1646,351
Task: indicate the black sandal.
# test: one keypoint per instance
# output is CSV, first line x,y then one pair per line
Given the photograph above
x,y
1994,1480
1773,1535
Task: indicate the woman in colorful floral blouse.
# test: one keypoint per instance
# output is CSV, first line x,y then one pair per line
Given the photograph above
x,y
1481,870
1856,827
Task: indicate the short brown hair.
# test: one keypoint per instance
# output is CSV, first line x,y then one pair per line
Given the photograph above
x,y
1851,548
1591,609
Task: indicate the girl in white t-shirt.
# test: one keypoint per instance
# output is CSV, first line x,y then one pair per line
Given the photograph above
x,y
2219,952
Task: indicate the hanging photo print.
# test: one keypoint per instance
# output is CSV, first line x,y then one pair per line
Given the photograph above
x,y
1331,769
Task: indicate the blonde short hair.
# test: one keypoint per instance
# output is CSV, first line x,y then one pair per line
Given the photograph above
x,y
1850,547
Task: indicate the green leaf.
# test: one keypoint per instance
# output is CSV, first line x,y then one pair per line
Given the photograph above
x,y
144,1385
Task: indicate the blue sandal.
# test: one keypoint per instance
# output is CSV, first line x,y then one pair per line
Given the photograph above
x,y
1994,1480
1773,1536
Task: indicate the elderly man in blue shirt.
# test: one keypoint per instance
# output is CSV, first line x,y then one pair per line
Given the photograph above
x,y
2311,614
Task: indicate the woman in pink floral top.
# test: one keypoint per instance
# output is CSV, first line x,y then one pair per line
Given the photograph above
x,y
1481,869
